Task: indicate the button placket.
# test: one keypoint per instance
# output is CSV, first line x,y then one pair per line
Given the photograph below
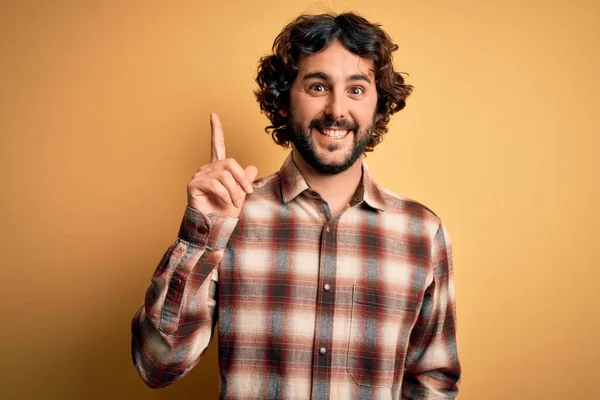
x,y
325,306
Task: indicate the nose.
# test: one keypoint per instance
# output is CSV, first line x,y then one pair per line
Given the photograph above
x,y
336,106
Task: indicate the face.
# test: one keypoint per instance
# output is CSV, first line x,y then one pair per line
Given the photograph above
x,y
332,108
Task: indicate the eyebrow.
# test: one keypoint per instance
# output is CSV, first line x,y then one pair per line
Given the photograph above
x,y
325,77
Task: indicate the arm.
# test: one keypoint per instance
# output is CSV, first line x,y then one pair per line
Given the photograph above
x,y
432,369
173,328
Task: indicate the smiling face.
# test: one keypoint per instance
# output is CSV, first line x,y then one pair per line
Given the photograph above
x,y
332,108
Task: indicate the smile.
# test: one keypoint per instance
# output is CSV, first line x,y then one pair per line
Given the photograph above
x,y
333,133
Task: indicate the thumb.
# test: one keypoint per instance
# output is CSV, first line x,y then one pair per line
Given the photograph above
x,y
251,172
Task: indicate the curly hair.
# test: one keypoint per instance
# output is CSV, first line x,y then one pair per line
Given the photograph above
x,y
309,34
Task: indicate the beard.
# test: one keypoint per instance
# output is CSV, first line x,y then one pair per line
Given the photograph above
x,y
305,144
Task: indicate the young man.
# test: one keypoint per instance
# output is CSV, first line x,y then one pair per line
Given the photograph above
x,y
325,285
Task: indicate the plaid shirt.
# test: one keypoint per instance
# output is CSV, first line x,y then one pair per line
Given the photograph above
x,y
310,305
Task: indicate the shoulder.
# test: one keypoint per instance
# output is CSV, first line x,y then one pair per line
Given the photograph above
x,y
396,203
405,207
267,188
415,214
267,182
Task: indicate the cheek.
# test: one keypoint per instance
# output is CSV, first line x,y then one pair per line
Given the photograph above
x,y
306,107
368,112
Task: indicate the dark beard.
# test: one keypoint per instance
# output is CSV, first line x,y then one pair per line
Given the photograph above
x,y
303,141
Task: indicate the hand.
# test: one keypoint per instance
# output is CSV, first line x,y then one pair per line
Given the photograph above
x,y
222,185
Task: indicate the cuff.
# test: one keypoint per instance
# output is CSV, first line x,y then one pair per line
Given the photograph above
x,y
206,230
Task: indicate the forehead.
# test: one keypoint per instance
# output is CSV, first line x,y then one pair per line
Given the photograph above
x,y
336,61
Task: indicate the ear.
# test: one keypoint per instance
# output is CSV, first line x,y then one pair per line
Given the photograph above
x,y
283,112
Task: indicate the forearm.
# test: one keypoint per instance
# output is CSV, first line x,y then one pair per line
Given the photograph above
x,y
173,328
161,358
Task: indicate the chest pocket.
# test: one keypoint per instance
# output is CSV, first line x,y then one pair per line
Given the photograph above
x,y
379,330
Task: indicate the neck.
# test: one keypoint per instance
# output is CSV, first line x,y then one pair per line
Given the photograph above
x,y
337,190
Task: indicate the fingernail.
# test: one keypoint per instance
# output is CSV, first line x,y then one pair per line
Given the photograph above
x,y
238,203
249,189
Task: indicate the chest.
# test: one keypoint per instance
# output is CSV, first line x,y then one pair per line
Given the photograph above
x,y
294,253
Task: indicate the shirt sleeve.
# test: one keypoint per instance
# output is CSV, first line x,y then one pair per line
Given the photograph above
x,y
174,326
432,369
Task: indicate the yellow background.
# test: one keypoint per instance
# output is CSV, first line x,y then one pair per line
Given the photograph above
x,y
104,111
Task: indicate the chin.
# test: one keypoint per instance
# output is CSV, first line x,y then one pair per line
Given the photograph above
x,y
331,166
334,162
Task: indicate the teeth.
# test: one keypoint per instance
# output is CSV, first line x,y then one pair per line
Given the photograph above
x,y
334,133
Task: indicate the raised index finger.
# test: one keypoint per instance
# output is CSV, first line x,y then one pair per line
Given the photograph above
x,y
217,143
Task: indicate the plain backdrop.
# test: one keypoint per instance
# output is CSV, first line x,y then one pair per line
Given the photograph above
x,y
104,117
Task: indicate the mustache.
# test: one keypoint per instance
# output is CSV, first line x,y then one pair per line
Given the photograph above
x,y
332,123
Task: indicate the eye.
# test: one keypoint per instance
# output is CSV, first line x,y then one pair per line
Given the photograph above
x,y
357,90
317,87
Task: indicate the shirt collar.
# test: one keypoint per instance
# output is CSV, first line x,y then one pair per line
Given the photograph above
x,y
293,183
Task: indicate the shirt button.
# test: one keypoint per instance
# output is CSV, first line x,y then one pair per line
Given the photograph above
x,y
328,230
175,282
322,351
326,287
202,229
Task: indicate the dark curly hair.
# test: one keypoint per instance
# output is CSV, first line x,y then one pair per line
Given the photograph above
x,y
309,34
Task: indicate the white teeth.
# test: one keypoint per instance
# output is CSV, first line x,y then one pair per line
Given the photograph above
x,y
334,133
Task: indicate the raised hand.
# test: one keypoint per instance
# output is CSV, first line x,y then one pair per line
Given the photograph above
x,y
222,185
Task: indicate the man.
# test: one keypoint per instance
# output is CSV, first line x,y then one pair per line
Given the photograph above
x,y
325,285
